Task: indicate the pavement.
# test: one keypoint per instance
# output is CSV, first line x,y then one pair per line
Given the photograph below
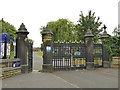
x,y
37,61
99,78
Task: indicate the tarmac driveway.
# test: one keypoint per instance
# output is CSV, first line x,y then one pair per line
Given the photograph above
x,y
100,78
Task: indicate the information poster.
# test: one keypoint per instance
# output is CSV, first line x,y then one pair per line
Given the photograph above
x,y
48,48
0,52
77,53
14,43
8,49
2,49
4,40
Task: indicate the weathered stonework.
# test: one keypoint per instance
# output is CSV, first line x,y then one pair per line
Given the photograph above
x,y
47,56
115,62
48,68
8,70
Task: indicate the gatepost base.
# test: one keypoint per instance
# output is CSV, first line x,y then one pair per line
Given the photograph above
x,y
90,65
106,64
24,68
48,68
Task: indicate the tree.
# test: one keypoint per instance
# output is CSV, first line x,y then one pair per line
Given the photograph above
x,y
62,29
116,31
112,45
88,22
9,29
41,47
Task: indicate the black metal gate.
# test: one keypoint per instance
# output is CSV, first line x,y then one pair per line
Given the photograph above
x,y
98,55
68,55
73,55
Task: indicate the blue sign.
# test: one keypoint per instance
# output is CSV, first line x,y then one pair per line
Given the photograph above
x,y
16,64
2,45
2,38
48,48
77,53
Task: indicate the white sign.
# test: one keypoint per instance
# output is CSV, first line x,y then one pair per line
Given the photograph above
x,y
2,49
48,49
8,49
14,43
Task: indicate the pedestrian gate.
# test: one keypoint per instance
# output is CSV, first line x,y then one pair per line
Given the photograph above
x,y
73,55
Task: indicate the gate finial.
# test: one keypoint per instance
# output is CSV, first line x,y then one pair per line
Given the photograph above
x,y
46,31
105,35
89,33
22,29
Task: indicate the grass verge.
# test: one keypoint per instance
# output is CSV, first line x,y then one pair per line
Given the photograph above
x,y
40,71
41,54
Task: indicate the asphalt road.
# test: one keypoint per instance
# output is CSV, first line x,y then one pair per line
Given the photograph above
x,y
104,78
35,80
99,78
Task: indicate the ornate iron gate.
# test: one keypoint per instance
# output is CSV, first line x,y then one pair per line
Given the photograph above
x,y
98,55
68,55
73,55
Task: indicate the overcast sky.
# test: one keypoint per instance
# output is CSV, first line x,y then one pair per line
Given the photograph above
x,y
36,13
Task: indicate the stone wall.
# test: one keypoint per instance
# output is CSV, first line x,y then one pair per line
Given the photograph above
x,y
115,62
7,69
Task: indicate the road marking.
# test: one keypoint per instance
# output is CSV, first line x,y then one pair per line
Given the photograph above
x,y
66,81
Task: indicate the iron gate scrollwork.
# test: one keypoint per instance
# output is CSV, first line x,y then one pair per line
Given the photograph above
x,y
98,55
69,55
73,55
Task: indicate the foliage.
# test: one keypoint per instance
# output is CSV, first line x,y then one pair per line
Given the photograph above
x,y
88,22
11,55
9,29
112,44
41,47
62,29
29,40
115,32
65,30
40,71
41,54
